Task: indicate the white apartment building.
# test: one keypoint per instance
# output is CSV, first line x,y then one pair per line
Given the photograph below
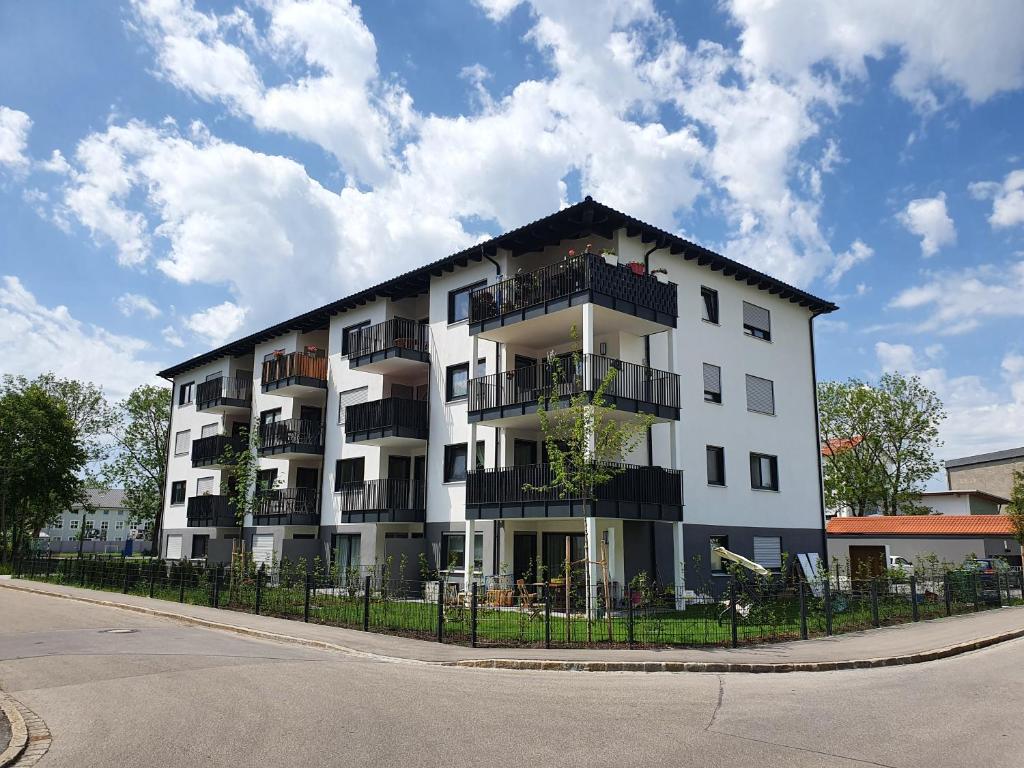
x,y
403,419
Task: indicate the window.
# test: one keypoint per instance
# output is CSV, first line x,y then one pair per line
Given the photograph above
x,y
455,463
481,454
764,472
346,339
58,524
709,298
757,321
104,526
73,525
716,465
209,430
458,302
185,393
181,442
200,545
453,551
347,398
348,471
456,381
712,383
768,552
760,395
213,376
119,525
178,492
204,486
717,561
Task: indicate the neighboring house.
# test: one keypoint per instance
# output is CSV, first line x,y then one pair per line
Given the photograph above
x,y
951,538
403,419
989,472
965,502
107,526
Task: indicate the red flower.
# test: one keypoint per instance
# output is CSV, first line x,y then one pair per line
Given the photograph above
x,y
572,252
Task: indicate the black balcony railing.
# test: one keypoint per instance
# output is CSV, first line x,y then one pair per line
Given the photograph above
x,y
288,506
615,286
634,492
633,387
224,391
397,337
389,500
217,449
292,436
211,512
302,368
390,417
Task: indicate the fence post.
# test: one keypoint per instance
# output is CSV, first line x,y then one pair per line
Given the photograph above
x,y
124,581
803,609
152,576
547,615
629,617
305,603
259,587
1008,602
827,594
732,611
181,582
1021,574
947,594
914,613
472,615
440,610
366,604
875,622
974,584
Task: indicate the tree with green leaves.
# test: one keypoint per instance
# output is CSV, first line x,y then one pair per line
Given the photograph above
x,y
1015,509
139,430
880,442
42,457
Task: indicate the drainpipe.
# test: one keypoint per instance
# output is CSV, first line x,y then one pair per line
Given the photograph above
x,y
497,266
817,437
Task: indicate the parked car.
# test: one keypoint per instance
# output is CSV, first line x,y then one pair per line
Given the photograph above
x,y
987,576
898,562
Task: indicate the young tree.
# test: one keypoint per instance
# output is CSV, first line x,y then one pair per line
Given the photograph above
x,y
1015,509
880,442
139,431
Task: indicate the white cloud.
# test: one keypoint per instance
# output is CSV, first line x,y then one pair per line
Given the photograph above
x,y
217,324
14,130
983,415
857,253
171,336
927,218
35,339
957,301
979,57
132,303
1007,199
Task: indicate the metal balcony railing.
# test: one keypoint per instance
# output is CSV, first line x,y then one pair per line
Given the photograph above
x,y
301,367
396,333
392,414
288,506
292,435
233,391
211,512
217,449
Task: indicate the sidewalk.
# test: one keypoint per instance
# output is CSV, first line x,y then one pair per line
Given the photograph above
x,y
888,646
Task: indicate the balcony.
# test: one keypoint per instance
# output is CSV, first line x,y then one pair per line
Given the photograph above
x,y
394,421
292,439
635,303
224,395
637,493
288,506
217,451
511,398
395,346
295,374
382,501
211,512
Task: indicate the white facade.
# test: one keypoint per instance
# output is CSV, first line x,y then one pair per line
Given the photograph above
x,y
734,511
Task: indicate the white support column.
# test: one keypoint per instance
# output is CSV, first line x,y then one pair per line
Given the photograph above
x,y
470,467
679,554
593,570
470,538
612,555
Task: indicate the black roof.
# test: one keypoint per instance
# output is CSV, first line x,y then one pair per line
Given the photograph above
x,y
585,218
983,458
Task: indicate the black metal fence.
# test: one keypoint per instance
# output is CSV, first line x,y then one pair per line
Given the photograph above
x,y
398,332
505,612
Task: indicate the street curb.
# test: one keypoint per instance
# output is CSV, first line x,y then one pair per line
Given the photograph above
x,y
730,666
556,666
19,731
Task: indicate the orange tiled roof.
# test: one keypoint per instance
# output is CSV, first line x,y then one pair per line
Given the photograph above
x,y
839,444
922,525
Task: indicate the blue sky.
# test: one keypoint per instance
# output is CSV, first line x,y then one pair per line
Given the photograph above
x,y
174,174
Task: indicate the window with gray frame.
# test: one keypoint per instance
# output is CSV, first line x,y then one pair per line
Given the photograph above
x,y
709,300
712,383
760,395
764,472
757,321
716,464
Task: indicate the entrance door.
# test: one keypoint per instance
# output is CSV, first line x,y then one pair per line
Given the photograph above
x,y
524,556
307,477
867,562
345,549
525,378
311,413
399,472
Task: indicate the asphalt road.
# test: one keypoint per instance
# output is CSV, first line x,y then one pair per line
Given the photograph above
x,y
165,694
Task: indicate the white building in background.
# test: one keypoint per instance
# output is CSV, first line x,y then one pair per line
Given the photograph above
x,y
108,525
403,419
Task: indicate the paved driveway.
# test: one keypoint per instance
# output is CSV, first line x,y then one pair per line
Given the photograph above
x,y
166,694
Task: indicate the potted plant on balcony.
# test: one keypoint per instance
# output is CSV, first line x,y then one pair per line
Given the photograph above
x,y
661,273
610,256
636,267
